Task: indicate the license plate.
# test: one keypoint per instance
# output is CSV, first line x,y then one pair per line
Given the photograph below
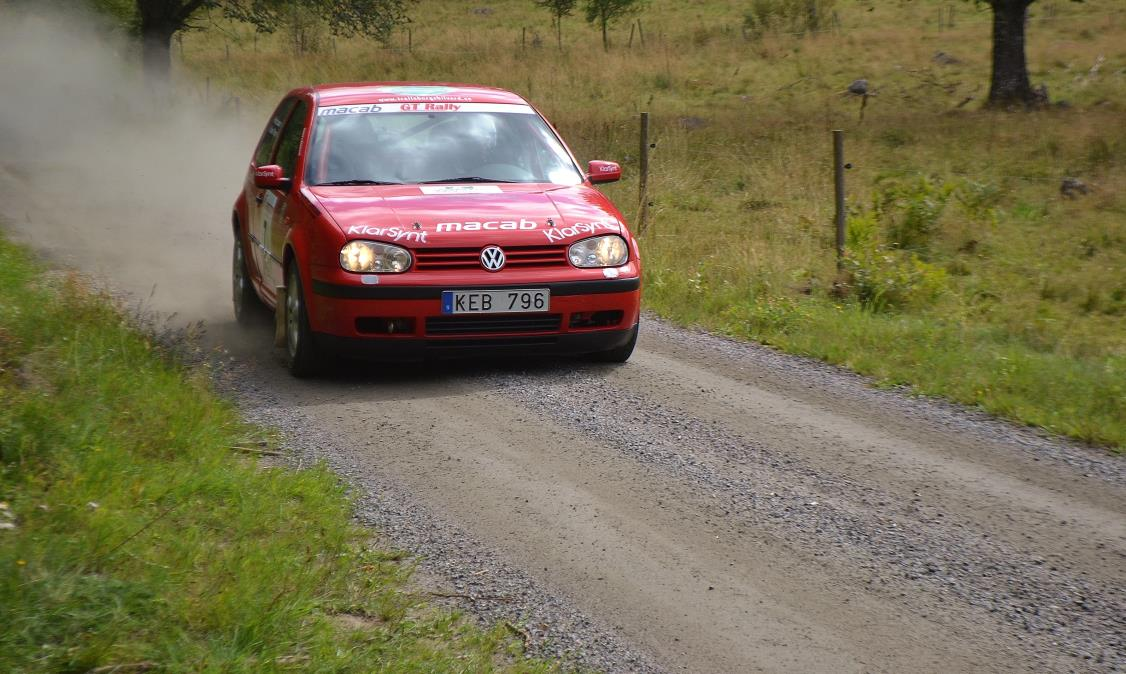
x,y
495,301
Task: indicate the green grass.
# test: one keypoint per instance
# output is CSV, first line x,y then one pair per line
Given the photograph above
x,y
133,532
979,254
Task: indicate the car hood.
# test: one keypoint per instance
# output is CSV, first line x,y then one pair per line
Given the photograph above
x,y
444,216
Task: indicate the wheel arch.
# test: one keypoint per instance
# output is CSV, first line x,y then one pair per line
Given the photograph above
x,y
289,257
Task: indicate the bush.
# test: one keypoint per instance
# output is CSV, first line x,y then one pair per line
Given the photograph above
x,y
888,280
910,210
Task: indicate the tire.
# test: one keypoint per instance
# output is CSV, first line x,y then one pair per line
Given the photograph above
x,y
248,308
619,354
301,355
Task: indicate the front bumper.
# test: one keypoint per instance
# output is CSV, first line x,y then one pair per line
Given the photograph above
x,y
410,348
584,316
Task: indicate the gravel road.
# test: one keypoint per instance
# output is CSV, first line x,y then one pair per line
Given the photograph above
x,y
719,507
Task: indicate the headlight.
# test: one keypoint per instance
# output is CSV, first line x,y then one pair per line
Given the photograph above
x,y
369,256
599,251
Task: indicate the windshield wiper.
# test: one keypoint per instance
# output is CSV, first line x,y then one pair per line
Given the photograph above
x,y
336,183
465,179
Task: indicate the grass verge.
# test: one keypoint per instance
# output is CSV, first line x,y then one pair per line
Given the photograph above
x,y
133,534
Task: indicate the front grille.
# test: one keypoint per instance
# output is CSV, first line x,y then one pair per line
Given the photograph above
x,y
479,325
516,257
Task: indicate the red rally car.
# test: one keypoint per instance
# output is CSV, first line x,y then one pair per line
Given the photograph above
x,y
403,221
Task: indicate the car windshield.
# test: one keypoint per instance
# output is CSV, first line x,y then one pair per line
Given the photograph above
x,y
380,145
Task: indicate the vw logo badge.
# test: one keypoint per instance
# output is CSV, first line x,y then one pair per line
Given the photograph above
x,y
492,258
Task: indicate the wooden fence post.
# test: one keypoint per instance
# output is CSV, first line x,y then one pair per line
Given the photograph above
x,y
643,177
839,189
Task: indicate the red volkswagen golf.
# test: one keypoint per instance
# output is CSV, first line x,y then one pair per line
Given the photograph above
x,y
404,221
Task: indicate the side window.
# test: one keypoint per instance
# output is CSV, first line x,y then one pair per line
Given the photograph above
x,y
290,142
265,149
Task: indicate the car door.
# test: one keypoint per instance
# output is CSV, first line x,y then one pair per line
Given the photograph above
x,y
258,210
277,203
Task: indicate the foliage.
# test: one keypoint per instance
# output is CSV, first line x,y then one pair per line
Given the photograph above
x,y
139,533
158,20
120,10
371,18
558,8
606,12
886,280
910,210
788,16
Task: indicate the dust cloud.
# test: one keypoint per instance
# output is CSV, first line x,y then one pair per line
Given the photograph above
x,y
105,179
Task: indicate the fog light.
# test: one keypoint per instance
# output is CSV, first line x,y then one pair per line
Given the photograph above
x,y
371,325
596,319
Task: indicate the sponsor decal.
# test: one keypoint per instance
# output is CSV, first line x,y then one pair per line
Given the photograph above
x,y
271,199
553,234
394,234
607,169
394,107
416,91
429,107
418,99
365,109
459,189
579,228
487,225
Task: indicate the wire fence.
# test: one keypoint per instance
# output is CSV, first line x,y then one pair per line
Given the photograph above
x,y
948,19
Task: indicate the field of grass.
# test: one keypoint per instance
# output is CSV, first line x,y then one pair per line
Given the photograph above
x,y
134,533
968,276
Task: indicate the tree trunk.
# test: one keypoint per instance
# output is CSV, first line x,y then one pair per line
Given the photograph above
x,y
605,37
156,49
158,22
1009,85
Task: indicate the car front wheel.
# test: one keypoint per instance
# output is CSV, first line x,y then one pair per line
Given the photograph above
x,y
302,357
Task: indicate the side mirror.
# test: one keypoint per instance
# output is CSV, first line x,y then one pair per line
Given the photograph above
x,y
270,177
604,171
